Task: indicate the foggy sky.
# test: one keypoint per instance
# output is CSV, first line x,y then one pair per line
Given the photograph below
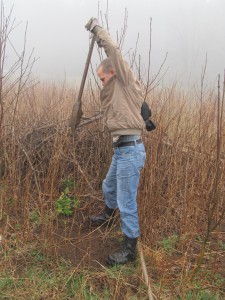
x,y
186,29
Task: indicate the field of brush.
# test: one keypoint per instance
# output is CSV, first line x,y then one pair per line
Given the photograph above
x,y
50,182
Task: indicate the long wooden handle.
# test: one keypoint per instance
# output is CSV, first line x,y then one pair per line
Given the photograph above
x,y
86,69
77,108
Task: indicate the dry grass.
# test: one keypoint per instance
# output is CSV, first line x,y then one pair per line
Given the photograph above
x,y
181,197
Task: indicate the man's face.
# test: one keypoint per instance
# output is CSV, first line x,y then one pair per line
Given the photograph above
x,y
104,77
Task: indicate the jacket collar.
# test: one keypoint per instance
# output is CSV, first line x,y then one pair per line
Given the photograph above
x,y
109,81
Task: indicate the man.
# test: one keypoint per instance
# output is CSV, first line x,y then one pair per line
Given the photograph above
x,y
121,101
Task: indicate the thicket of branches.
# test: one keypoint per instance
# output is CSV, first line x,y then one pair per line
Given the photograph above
x,y
182,185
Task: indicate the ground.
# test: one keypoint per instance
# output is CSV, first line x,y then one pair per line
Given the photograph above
x,y
69,252
84,245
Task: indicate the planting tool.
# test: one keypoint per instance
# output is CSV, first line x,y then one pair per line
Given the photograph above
x,y
77,108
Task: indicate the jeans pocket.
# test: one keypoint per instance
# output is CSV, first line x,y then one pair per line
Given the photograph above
x,y
126,151
141,157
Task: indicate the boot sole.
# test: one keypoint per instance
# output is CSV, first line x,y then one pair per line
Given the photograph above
x,y
112,263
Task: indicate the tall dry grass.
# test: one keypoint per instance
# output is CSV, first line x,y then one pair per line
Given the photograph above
x,y
177,182
181,190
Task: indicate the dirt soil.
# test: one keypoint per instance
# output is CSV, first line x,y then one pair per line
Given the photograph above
x,y
84,245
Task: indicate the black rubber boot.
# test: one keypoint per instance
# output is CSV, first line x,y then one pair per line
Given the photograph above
x,y
126,254
106,217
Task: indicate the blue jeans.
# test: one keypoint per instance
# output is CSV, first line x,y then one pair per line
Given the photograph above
x,y
121,184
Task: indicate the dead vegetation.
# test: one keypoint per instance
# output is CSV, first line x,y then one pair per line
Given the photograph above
x,y
51,255
181,194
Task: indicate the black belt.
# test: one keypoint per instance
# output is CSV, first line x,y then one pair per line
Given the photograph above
x,y
124,144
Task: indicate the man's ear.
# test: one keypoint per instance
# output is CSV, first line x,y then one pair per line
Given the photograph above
x,y
112,71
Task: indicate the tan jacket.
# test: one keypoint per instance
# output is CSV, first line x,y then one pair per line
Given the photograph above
x,y
121,97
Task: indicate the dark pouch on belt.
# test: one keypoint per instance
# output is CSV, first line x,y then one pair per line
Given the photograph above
x,y
150,125
146,114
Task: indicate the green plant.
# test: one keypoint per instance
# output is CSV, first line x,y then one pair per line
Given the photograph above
x,y
5,282
67,183
200,295
218,280
198,238
17,226
78,285
169,243
66,203
222,245
36,255
8,282
34,217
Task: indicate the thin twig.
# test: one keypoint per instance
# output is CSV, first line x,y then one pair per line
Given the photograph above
x,y
145,272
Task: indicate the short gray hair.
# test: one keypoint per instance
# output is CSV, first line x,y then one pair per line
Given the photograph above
x,y
106,65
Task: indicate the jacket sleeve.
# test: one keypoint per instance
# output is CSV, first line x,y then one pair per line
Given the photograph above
x,y
123,71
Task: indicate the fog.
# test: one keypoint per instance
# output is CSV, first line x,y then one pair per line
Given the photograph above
x,y
187,30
